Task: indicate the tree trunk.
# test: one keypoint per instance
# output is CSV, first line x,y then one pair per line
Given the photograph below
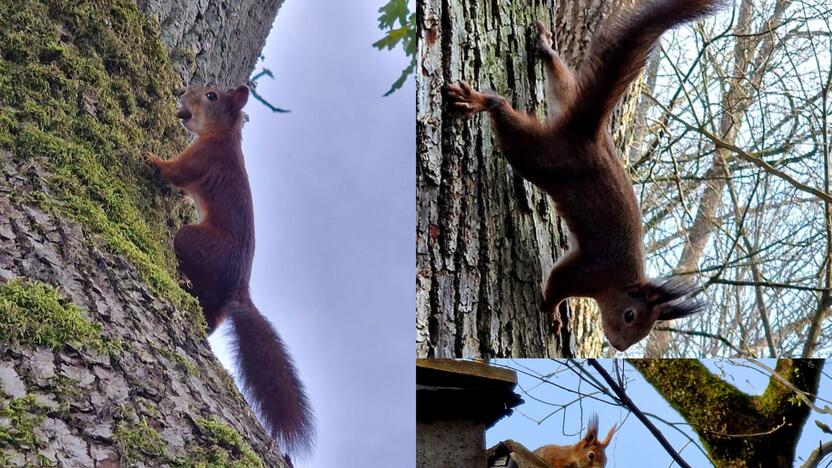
x,y
770,424
214,40
104,357
485,238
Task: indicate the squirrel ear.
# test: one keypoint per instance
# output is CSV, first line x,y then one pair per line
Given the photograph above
x,y
672,298
240,96
667,290
639,291
680,309
607,439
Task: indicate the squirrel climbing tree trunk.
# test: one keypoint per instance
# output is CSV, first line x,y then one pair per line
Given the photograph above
x,y
485,238
104,357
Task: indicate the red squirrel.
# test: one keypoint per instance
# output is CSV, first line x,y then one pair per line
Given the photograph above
x,y
216,254
589,452
572,158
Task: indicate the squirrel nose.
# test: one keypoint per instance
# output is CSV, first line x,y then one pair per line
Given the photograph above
x,y
620,346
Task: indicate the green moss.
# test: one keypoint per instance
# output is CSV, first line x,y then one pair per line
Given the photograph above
x,y
139,441
66,391
218,446
86,88
35,314
225,448
715,408
23,414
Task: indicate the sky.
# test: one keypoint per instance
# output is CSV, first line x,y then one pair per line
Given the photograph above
x,y
632,445
333,184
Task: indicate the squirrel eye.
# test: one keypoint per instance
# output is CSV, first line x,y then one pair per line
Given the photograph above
x,y
629,315
590,455
212,96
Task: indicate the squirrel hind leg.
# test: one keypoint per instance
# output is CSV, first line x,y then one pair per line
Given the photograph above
x,y
203,257
562,87
562,283
213,317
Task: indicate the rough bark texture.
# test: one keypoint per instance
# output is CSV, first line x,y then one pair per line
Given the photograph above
x,y
213,40
736,429
486,239
103,358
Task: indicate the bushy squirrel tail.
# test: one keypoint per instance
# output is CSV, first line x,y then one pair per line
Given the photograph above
x,y
269,380
619,52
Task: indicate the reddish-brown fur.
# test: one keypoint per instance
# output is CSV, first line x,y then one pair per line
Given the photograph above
x,y
589,452
216,254
573,159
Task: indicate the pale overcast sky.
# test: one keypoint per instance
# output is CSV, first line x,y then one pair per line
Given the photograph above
x,y
333,184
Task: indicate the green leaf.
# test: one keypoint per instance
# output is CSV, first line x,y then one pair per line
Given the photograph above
x,y
402,78
400,25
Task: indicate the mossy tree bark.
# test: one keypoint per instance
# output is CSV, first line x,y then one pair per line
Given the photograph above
x,y
736,429
485,238
103,357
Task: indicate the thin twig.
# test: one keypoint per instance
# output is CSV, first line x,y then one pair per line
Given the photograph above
x,y
765,284
629,404
712,336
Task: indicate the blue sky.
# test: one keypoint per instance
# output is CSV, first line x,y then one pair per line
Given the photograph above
x,y
333,185
632,445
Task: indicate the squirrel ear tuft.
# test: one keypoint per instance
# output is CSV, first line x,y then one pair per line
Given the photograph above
x,y
681,309
667,290
591,431
240,96
672,297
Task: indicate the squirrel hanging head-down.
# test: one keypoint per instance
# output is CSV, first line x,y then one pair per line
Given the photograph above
x,y
589,452
572,158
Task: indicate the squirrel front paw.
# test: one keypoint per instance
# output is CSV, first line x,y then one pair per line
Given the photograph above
x,y
552,310
465,99
554,324
152,160
544,41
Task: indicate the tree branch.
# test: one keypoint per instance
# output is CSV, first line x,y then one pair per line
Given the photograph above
x,y
712,336
629,404
818,454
